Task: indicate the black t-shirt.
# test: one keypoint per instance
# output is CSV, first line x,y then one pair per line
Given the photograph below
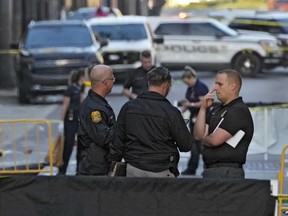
x,y
137,80
236,116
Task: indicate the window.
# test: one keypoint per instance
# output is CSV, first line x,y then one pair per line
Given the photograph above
x,y
204,29
121,31
170,29
58,36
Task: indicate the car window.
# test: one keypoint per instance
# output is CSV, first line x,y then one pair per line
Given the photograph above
x,y
196,29
170,29
204,29
283,26
121,31
58,36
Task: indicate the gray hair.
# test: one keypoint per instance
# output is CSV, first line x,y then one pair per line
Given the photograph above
x,y
158,76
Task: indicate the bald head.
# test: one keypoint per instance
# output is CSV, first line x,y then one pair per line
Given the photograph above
x,y
102,79
99,73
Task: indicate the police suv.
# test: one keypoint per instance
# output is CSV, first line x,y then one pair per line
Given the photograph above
x,y
273,22
207,44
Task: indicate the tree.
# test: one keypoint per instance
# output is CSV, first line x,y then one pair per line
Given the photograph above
x,y
6,70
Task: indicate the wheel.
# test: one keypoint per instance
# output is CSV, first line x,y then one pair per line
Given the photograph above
x,y
247,64
23,95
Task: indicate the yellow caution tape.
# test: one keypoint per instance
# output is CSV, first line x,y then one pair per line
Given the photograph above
x,y
282,196
270,107
9,51
259,22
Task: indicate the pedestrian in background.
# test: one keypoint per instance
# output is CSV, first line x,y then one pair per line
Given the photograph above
x,y
96,127
73,97
136,81
195,92
223,157
150,132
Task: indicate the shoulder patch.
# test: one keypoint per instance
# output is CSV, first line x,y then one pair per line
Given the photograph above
x,y
96,116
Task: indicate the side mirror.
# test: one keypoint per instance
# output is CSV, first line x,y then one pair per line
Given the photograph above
x,y
158,40
103,42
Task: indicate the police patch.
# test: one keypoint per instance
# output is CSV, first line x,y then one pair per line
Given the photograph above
x,y
96,116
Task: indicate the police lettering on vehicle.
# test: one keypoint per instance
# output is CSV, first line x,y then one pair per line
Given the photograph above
x,y
194,49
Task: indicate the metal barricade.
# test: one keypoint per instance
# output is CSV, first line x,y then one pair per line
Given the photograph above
x,y
23,146
282,198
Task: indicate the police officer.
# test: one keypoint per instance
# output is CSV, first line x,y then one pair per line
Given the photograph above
x,y
195,92
136,81
97,120
223,158
150,132
73,97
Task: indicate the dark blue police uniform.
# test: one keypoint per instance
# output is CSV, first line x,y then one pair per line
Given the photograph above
x,y
192,94
95,133
74,92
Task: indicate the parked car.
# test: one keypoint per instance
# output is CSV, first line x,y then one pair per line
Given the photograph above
x,y
207,44
86,13
275,23
48,51
128,36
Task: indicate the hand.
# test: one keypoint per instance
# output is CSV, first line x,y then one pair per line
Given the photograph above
x,y
186,104
208,99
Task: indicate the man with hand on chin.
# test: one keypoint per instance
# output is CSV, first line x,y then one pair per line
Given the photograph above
x,y
216,127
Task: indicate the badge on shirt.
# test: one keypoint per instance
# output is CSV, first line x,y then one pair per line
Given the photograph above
x,y
223,113
96,116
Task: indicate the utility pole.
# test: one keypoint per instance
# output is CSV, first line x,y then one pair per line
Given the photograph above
x,y
6,71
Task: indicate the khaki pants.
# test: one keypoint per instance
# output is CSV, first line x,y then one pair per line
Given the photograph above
x,y
135,172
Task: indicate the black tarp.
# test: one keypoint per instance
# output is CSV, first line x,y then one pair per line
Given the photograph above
x,y
107,196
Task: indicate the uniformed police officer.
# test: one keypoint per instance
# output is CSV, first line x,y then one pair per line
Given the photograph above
x,y
97,120
73,97
150,132
223,157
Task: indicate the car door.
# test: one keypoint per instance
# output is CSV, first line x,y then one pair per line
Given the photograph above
x,y
191,43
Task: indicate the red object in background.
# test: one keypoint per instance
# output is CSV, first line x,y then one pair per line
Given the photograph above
x,y
278,5
100,12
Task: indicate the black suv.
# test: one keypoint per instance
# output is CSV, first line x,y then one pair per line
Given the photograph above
x,y
48,51
275,23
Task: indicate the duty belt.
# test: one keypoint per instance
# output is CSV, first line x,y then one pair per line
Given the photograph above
x,y
215,165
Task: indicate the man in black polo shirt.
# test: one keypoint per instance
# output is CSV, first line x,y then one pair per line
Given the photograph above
x,y
227,130
136,81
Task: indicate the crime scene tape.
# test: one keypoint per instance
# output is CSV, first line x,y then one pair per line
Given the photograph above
x,y
282,196
259,22
9,51
257,108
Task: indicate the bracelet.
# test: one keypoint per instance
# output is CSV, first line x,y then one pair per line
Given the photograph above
x,y
192,104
